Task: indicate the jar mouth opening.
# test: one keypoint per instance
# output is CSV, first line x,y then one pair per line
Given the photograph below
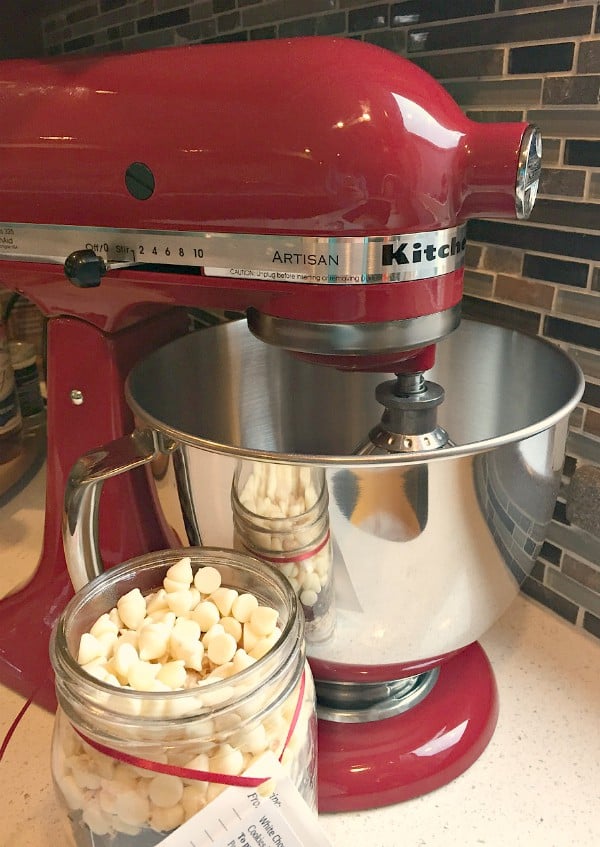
x,y
305,519
254,575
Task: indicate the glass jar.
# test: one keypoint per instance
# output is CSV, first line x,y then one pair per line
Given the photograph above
x,y
106,736
11,421
280,515
27,378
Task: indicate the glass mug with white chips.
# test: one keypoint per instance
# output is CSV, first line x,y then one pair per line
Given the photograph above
x,y
131,765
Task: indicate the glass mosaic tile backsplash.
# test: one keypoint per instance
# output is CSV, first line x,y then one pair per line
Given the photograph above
x,y
501,60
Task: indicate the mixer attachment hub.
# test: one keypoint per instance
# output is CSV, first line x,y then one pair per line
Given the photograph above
x,y
409,422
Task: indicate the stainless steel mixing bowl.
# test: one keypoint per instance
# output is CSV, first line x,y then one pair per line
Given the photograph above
x,y
430,549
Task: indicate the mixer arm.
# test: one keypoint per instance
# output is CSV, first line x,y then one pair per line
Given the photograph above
x,y
82,499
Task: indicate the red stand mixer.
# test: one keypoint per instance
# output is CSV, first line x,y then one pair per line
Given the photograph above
x,y
322,187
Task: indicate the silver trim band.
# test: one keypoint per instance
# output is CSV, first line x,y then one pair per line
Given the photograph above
x,y
353,339
321,260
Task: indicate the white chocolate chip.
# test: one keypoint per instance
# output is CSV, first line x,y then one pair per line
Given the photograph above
x,y
173,674
263,620
207,580
181,571
89,649
153,641
206,614
221,648
165,790
132,807
243,606
223,598
132,608
166,819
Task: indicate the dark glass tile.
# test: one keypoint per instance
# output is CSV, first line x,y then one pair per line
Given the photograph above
x,y
563,607
588,61
555,270
83,43
109,5
558,242
571,90
550,151
222,6
581,573
81,14
370,17
478,284
496,93
297,28
389,39
592,423
415,11
562,181
568,123
334,24
263,32
560,513
153,40
495,116
580,334
500,314
113,32
596,280
591,623
503,259
524,292
229,22
541,58
595,186
164,20
591,395
564,212
198,31
556,23
538,571
583,153
509,5
227,39
280,10
469,63
569,466
550,553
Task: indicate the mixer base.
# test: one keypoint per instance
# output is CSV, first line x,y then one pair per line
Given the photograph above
x,y
367,765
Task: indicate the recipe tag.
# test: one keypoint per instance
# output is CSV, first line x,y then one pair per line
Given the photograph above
x,y
242,817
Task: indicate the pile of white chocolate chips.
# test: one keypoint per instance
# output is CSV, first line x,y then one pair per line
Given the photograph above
x,y
186,635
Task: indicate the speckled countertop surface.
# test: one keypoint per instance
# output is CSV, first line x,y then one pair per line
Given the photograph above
x,y
537,782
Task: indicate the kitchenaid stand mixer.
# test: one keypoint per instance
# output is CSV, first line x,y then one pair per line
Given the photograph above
x,y
319,185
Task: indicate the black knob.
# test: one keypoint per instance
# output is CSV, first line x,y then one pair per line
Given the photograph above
x,y
85,268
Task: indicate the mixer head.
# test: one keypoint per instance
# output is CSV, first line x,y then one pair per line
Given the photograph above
x,y
332,214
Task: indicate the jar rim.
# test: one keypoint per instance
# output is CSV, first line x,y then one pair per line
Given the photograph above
x,y
66,665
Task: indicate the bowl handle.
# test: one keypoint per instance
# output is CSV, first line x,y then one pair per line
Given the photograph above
x,y
82,498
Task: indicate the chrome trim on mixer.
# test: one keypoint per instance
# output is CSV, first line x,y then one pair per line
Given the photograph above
x,y
361,702
529,169
320,260
353,339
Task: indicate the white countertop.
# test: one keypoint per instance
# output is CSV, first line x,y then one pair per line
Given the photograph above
x,y
536,784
